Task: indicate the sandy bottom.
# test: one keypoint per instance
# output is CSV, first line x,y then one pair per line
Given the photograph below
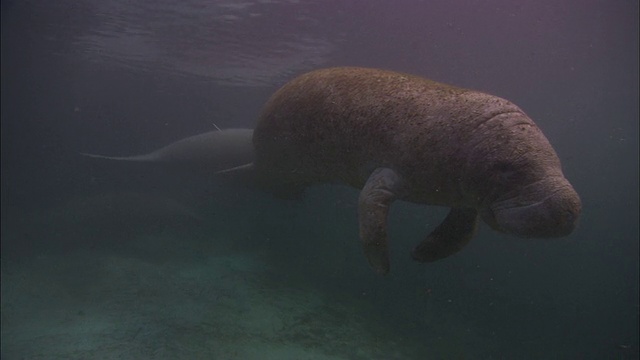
x,y
209,304
130,276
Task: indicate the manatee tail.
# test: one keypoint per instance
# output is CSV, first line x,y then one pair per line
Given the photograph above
x,y
223,151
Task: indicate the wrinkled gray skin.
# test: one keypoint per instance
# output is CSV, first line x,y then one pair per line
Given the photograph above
x,y
397,136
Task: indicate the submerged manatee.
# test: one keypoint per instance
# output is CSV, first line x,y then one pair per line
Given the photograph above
x,y
398,136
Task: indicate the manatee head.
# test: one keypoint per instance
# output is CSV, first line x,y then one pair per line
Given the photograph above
x,y
549,207
522,188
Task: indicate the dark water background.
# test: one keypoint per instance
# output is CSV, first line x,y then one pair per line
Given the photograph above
x,y
124,77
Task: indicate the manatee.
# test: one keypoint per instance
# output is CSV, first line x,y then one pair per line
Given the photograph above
x,y
402,137
217,149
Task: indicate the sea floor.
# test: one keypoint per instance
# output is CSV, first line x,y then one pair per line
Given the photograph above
x,y
200,303
158,282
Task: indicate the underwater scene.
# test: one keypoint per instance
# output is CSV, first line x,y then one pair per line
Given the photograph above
x,y
319,179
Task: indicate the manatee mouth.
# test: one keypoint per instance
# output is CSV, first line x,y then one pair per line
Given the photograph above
x,y
532,214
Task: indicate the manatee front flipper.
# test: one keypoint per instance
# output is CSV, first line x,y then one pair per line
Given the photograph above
x,y
448,238
373,207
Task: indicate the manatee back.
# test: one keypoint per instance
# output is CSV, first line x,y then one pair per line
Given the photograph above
x,y
327,124
339,124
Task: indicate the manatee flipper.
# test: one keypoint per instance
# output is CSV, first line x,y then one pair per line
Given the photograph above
x,y
380,190
449,237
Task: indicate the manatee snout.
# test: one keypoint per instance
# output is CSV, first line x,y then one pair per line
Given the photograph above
x,y
537,213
